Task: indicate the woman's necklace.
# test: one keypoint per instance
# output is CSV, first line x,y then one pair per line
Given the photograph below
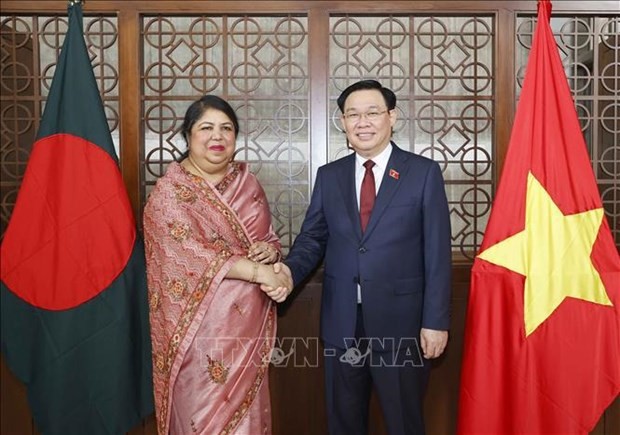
x,y
201,173
205,176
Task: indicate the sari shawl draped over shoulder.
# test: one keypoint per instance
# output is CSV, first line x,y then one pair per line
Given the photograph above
x,y
212,337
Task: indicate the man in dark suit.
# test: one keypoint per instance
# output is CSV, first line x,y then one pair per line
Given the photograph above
x,y
384,231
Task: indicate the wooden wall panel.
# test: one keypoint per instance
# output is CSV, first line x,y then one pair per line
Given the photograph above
x,y
15,417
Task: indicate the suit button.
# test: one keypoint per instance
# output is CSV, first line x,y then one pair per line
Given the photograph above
x,y
362,250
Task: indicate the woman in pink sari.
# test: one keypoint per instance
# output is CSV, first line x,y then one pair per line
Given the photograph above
x,y
209,246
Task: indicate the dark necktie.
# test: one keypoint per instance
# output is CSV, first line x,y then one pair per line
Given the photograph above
x,y
367,194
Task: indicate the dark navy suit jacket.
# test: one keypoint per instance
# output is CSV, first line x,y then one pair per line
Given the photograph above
x,y
402,261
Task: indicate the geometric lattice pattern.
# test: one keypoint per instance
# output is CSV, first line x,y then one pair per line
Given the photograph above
x,y
442,68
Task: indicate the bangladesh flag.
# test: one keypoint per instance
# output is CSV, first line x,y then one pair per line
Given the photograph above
x,y
73,290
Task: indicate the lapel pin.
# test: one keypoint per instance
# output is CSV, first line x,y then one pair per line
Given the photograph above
x,y
394,174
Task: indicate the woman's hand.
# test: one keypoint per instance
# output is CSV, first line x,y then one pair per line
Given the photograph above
x,y
277,285
263,252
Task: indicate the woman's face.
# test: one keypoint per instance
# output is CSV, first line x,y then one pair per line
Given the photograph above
x,y
212,139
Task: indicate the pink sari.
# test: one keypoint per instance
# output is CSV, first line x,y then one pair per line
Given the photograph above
x,y
212,337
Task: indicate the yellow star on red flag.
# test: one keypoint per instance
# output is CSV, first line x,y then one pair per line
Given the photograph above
x,y
553,253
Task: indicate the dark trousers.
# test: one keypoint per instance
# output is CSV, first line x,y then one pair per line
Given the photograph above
x,y
399,375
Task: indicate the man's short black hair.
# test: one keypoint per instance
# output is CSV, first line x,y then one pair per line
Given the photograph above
x,y
388,95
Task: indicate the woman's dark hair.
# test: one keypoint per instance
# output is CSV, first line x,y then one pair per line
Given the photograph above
x,y
388,95
198,108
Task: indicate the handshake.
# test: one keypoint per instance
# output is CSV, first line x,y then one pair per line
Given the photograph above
x,y
276,281
274,277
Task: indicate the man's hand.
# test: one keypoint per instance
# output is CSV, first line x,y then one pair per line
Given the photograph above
x,y
433,342
284,276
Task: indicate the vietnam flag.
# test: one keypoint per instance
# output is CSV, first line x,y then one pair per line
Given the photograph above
x,y
542,335
73,291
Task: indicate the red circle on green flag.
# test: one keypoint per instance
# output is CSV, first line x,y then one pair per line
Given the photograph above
x,y
72,230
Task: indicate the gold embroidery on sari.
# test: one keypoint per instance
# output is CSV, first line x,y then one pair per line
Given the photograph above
x,y
218,372
265,351
229,178
160,362
177,289
154,300
179,231
210,197
184,193
231,218
183,325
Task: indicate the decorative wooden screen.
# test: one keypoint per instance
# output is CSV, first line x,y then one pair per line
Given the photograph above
x,y
440,66
456,67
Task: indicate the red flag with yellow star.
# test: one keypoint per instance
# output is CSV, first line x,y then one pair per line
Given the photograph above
x,y
542,340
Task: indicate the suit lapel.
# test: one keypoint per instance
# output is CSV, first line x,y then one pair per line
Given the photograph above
x,y
395,170
347,186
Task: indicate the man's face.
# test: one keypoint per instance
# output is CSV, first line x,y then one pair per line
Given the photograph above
x,y
367,122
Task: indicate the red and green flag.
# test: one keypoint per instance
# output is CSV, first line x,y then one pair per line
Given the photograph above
x,y
542,334
73,281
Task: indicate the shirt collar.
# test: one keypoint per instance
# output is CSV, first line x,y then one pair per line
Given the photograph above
x,y
381,159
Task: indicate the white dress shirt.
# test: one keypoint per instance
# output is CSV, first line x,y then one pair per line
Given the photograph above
x,y
381,161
